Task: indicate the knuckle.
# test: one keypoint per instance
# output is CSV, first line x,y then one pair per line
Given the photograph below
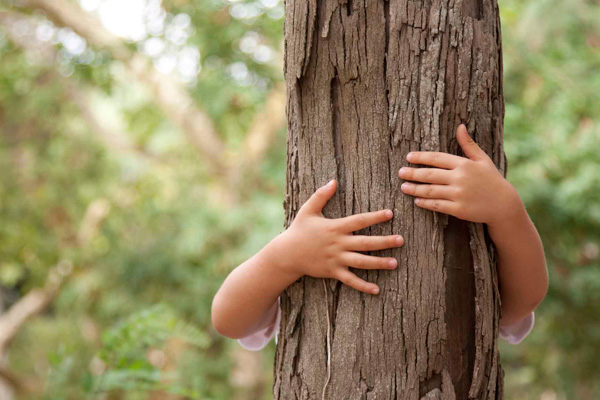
x,y
337,242
343,259
329,256
429,191
435,205
460,176
331,271
330,229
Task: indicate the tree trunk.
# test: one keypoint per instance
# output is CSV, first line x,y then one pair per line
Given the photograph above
x,y
368,81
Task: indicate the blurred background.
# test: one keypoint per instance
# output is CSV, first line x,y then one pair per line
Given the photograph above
x,y
142,157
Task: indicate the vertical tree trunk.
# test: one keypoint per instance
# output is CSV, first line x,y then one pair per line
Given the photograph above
x,y
368,81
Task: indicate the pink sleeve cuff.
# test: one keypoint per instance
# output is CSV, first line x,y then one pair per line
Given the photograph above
x,y
259,339
515,333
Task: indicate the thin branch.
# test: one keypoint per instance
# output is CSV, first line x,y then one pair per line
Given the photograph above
x,y
14,381
117,142
31,304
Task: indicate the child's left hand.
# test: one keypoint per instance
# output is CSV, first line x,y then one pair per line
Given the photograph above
x,y
470,188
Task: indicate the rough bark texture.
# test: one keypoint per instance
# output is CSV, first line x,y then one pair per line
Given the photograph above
x,y
368,81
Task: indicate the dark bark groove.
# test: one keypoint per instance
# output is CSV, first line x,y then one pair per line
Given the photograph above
x,y
369,81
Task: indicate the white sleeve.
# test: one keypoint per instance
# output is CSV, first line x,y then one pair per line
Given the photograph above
x,y
516,332
259,339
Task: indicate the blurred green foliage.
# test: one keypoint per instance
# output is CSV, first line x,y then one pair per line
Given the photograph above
x,y
133,319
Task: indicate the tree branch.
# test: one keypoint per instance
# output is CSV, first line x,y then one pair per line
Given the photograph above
x,y
78,96
37,300
265,126
263,129
169,94
31,304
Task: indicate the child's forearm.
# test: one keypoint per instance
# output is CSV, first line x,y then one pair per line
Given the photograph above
x,y
474,190
313,245
521,263
247,300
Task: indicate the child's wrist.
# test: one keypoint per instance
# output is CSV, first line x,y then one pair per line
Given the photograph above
x,y
276,255
510,212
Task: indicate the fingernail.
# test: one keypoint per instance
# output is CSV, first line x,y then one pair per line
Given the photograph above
x,y
389,213
405,186
375,290
409,156
402,171
330,183
399,240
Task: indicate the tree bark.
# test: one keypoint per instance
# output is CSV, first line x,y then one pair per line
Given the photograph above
x,y
369,81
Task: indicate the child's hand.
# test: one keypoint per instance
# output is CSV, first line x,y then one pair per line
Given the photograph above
x,y
468,188
325,248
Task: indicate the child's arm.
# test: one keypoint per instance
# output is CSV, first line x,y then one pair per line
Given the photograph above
x,y
474,190
313,245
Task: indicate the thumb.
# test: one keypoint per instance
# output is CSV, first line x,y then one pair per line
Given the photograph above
x,y
468,145
317,201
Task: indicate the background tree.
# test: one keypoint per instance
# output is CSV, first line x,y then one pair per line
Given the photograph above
x,y
368,83
131,320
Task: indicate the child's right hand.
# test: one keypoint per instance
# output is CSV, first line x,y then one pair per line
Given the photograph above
x,y
324,248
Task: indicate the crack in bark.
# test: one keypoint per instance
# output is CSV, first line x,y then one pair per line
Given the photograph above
x,y
473,9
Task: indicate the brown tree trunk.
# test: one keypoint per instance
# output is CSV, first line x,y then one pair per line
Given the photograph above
x,y
368,81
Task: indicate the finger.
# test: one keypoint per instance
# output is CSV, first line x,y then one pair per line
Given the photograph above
x,y
316,202
363,261
360,221
435,159
426,175
373,243
438,205
427,191
468,145
350,279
